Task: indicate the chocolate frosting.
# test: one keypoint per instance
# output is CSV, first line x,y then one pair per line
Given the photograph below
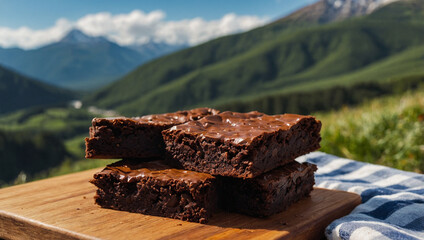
x,y
159,119
134,170
239,128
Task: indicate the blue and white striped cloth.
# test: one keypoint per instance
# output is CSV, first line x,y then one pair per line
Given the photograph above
x,y
392,200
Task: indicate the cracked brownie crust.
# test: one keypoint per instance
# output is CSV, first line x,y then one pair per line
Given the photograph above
x,y
135,137
243,145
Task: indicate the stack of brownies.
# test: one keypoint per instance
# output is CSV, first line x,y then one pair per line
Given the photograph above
x,y
185,165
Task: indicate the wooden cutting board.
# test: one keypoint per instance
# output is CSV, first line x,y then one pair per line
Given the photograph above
x,y
63,208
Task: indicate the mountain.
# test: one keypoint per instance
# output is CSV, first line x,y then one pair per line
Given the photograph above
x,y
279,58
75,36
155,49
77,61
18,91
325,11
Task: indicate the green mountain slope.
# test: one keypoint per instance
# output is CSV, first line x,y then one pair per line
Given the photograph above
x,y
17,92
394,74
274,59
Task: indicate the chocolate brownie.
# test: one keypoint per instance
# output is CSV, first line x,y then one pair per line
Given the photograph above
x,y
242,144
135,137
269,193
156,189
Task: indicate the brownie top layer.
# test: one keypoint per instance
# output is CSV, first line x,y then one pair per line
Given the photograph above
x,y
239,128
158,119
134,170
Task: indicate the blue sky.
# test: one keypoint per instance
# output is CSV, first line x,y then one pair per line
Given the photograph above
x,y
34,18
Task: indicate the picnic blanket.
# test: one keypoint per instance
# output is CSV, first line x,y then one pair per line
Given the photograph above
x,y
392,200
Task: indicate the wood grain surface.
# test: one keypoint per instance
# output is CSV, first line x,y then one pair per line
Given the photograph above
x,y
63,208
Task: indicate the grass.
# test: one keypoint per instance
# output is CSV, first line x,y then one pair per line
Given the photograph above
x,y
56,119
387,131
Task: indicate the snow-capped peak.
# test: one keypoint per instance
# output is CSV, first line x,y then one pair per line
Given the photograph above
x,y
348,8
77,36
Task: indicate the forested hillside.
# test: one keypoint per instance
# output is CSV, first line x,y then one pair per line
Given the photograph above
x,y
18,91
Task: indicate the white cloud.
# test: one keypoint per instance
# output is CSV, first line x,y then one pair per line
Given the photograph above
x,y
133,28
27,38
197,30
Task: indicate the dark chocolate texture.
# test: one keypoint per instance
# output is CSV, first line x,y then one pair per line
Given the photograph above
x,y
243,145
156,189
269,193
135,137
